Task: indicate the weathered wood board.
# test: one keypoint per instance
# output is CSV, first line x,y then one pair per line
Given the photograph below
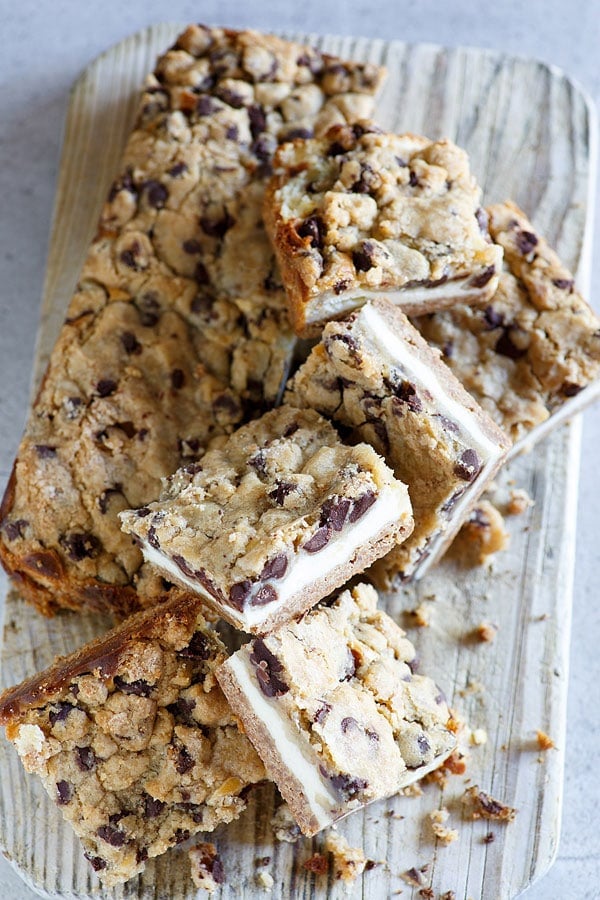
x,y
528,131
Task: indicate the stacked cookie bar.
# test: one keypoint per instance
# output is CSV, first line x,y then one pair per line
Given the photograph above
x,y
256,204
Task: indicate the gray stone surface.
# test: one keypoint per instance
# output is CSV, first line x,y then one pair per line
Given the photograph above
x,y
45,45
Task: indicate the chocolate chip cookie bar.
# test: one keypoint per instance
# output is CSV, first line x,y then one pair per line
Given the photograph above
x,y
178,327
336,710
530,356
275,519
134,740
359,213
374,373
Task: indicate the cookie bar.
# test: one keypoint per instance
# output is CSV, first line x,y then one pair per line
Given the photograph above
x,y
359,213
273,520
133,739
530,356
178,327
374,373
335,709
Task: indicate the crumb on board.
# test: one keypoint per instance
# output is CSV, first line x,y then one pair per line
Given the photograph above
x,y
265,881
448,895
438,818
456,764
472,687
348,862
317,863
544,741
285,828
418,617
479,737
411,790
206,867
489,838
482,535
519,502
415,876
480,805
485,632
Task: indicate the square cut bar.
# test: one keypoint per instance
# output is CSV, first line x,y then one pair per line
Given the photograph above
x,y
360,212
178,326
133,739
374,373
531,357
274,520
336,710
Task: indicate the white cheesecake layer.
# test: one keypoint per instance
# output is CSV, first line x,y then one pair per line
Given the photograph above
x,y
391,506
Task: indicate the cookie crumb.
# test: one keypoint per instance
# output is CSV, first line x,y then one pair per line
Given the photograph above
x,y
485,632
489,838
348,862
544,741
483,806
479,737
206,867
482,535
448,895
414,876
285,828
317,863
411,790
438,819
419,617
519,501
265,881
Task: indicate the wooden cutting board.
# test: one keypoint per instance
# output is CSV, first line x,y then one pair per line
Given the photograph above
x,y
527,129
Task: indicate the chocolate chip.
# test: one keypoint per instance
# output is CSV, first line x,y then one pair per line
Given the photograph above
x,y
15,529
492,318
348,723
268,669
363,257
347,786
218,873
178,169
423,743
314,229
64,792
226,403
336,149
238,593
177,379
152,807
570,389
104,498
319,540
281,490
192,246
506,347
72,407
106,387
216,228
184,761
182,711
128,427
232,133
141,854
448,349
293,134
201,275
448,424
468,465
349,342
231,97
205,106
143,511
111,835
80,545
361,505
334,512
85,759
139,688
407,392
480,280
322,713
258,462
412,179
526,241
61,712
45,451
565,284
181,835
265,594
156,193
291,429
131,345
96,862
258,120
452,501
149,309
153,538
482,220
198,648
129,256
275,567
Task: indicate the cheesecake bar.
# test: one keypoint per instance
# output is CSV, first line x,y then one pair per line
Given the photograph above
x,y
133,739
178,327
530,356
273,520
336,710
359,213
374,373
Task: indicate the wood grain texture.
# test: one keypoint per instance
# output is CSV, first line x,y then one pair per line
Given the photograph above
x,y
529,134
